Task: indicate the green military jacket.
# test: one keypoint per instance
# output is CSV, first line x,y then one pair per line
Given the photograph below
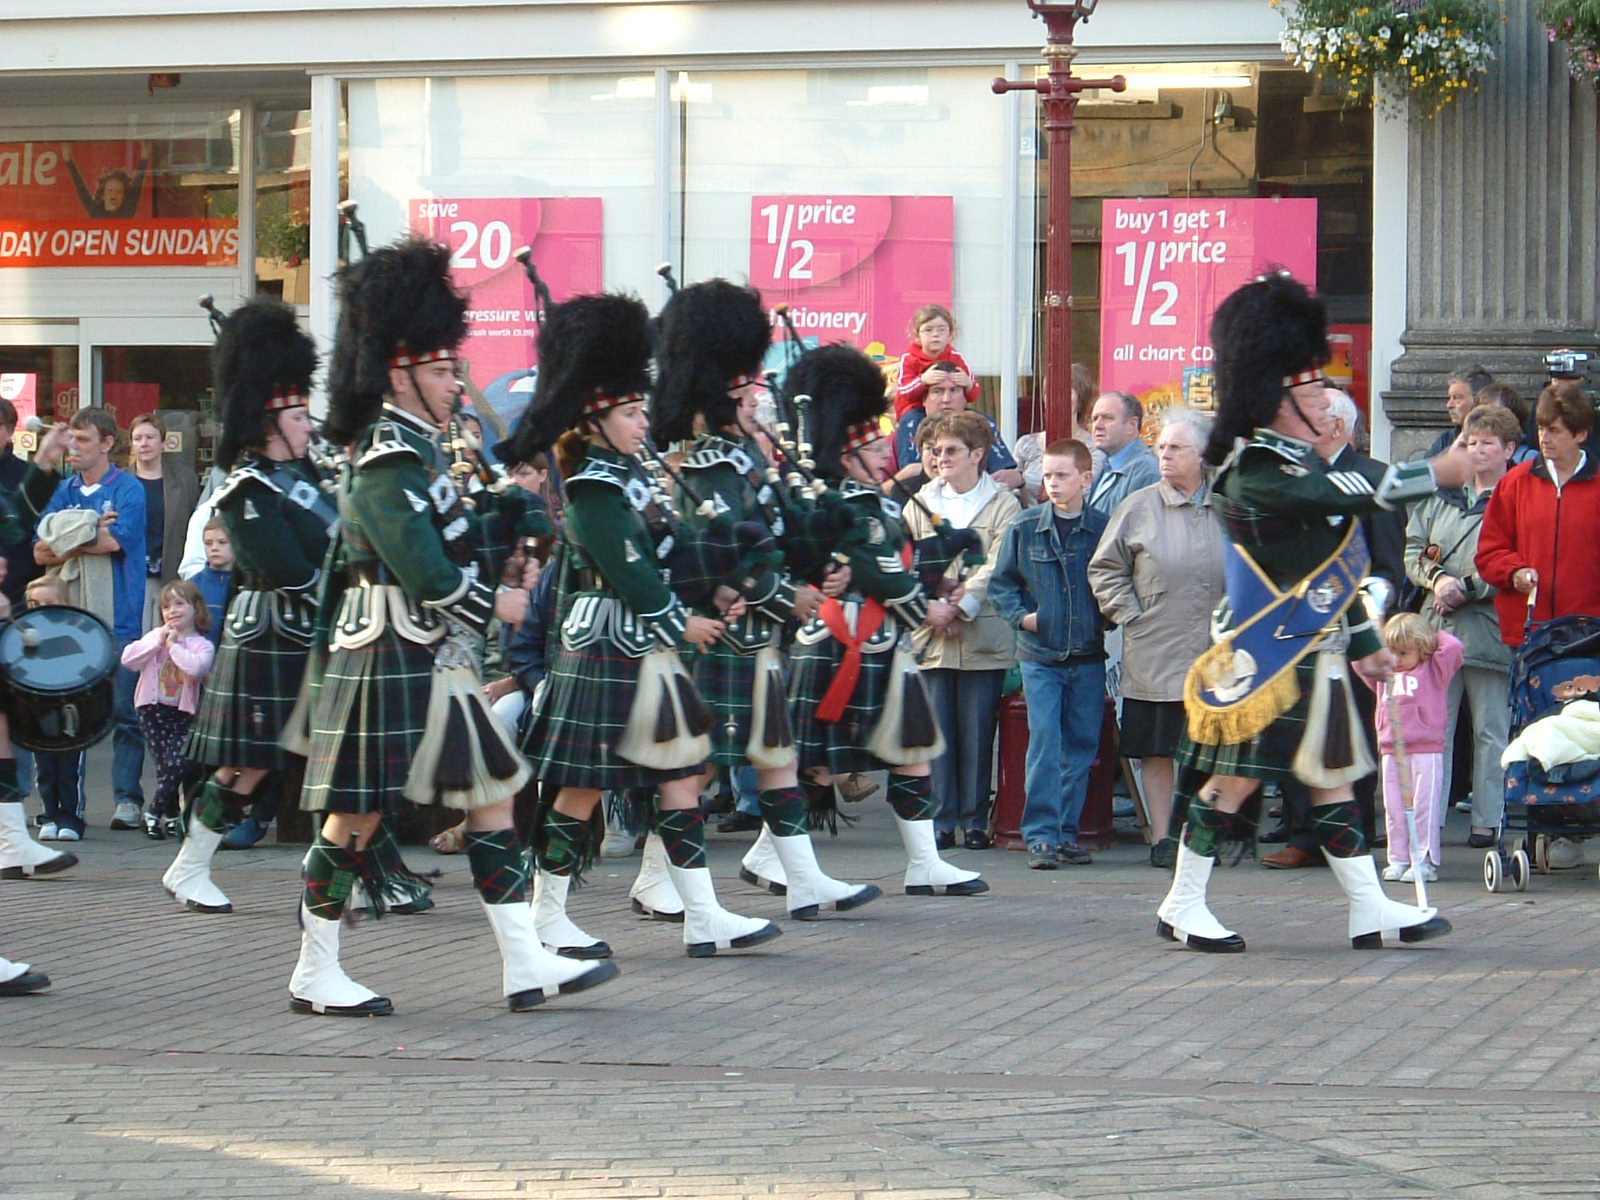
x,y
877,569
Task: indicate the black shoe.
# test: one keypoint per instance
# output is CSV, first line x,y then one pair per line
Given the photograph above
x,y
1073,854
1164,853
1275,837
976,839
944,839
1042,857
738,822
1481,841
153,828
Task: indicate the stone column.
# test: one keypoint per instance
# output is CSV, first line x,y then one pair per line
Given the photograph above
x,y
1502,230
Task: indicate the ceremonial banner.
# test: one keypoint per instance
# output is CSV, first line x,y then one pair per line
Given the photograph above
x,y
566,237
1165,265
92,204
853,268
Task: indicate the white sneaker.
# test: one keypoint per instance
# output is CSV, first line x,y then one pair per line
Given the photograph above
x,y
49,831
1410,875
68,835
618,844
1395,872
1564,853
127,816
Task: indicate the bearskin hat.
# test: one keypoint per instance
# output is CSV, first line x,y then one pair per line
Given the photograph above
x,y
1264,333
592,349
397,304
708,335
262,358
847,392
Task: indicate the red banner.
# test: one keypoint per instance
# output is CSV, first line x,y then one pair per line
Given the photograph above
x,y
92,204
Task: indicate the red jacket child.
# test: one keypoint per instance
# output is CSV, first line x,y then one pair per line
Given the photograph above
x,y
933,331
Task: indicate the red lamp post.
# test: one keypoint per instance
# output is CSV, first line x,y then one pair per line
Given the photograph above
x,y
1058,91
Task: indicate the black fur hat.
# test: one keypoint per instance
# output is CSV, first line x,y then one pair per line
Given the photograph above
x,y
262,360
397,303
709,334
592,349
1264,333
849,397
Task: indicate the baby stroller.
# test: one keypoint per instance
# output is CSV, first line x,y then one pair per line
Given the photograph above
x,y
1555,791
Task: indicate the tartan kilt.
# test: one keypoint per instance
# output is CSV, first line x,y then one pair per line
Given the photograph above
x,y
246,701
1267,756
580,717
370,714
727,682
838,747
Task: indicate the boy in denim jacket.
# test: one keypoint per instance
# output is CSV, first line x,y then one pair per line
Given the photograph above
x,y
1040,586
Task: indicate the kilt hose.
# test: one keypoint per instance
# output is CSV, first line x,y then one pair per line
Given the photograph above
x,y
839,747
371,711
578,721
247,700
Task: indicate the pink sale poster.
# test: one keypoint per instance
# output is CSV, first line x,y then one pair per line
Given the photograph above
x,y
853,268
484,235
1165,265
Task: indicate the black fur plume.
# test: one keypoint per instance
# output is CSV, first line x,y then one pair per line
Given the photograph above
x,y
708,334
260,352
846,388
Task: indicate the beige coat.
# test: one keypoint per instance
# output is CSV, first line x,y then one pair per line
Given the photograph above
x,y
1158,574
986,643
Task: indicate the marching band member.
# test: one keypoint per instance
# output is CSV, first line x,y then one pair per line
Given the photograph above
x,y
618,711
858,698
710,345
398,710
1271,699
278,518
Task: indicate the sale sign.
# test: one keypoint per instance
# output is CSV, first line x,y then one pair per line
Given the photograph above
x,y
853,268
564,237
92,204
1166,265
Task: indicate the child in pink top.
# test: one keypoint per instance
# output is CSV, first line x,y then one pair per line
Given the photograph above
x,y
173,660
933,331
1425,662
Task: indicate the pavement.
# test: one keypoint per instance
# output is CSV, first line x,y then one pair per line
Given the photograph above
x,y
1038,1041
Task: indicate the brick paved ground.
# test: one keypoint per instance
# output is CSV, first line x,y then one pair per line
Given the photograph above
x,y
1038,1041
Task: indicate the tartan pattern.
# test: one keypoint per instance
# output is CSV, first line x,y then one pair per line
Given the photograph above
x,y
564,838
330,873
246,701
1205,827
581,717
9,790
911,796
498,868
784,811
840,746
371,713
1338,828
683,833
727,682
1268,755
217,807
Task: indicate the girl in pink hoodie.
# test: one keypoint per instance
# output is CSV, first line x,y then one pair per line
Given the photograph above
x,y
1425,661
173,660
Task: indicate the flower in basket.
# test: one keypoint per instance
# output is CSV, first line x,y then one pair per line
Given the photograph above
x,y
1428,50
1577,23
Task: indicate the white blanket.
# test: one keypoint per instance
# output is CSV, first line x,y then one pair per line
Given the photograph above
x,y
1564,737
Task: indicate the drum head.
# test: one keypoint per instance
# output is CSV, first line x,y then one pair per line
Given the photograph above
x,y
73,650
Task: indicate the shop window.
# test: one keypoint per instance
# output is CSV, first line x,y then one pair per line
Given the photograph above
x,y
39,380
1202,130
283,204
146,190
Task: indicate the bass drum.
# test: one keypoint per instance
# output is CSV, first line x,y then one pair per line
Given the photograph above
x,y
56,667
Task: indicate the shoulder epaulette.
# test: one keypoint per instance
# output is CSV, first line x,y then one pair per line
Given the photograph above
x,y
241,476
715,452
595,470
384,439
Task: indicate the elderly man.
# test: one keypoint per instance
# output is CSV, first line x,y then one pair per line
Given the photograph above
x,y
1115,423
1460,397
1385,531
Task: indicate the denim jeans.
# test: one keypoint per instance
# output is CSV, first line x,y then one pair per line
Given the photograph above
x,y
967,705
127,743
1066,705
747,789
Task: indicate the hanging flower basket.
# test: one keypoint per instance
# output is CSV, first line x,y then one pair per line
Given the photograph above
x,y
1428,50
1577,23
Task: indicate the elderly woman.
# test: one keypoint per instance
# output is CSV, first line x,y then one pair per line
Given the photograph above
x,y
964,664
1543,521
1158,574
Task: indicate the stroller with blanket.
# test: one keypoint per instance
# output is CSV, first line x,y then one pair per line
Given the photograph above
x,y
1553,760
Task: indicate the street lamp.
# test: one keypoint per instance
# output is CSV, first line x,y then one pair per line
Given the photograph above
x,y
1058,91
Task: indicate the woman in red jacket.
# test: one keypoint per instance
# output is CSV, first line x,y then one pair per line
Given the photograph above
x,y
1542,529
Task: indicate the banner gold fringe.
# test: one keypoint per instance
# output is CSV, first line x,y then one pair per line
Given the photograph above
x,y
1210,726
